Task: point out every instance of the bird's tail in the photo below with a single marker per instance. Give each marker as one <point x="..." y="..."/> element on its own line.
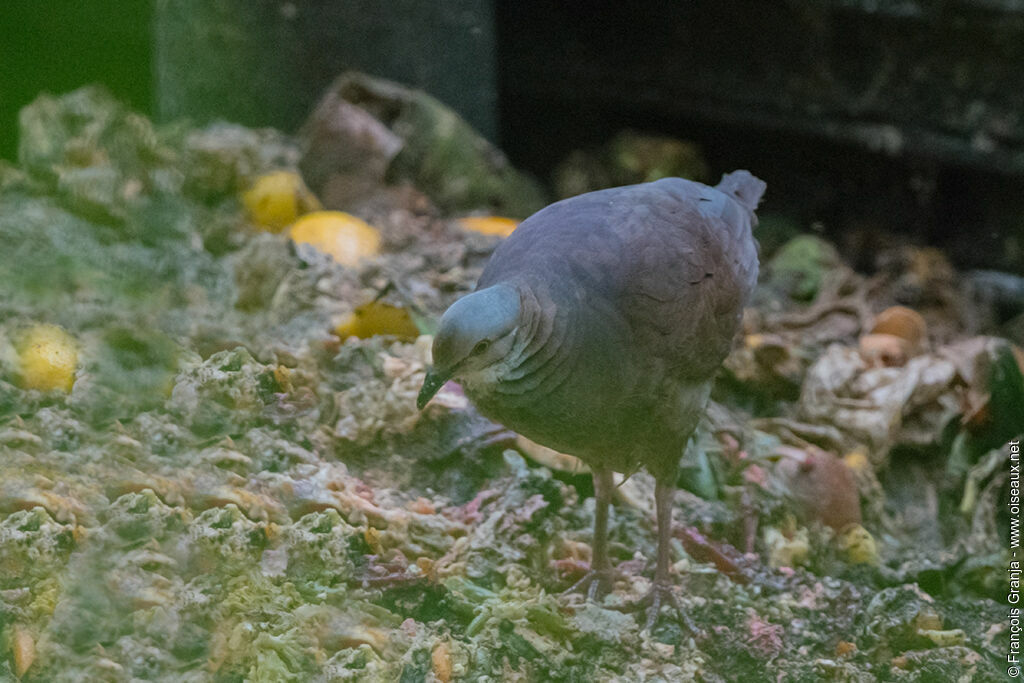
<point x="742" y="185"/>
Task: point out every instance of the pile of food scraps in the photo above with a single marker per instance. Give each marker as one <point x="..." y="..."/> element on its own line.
<point x="212" y="466"/>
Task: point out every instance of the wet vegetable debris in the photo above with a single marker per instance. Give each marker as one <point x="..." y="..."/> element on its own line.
<point x="212" y="466"/>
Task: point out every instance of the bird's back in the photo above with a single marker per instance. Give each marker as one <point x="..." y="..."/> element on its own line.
<point x="646" y="285"/>
<point x="675" y="259"/>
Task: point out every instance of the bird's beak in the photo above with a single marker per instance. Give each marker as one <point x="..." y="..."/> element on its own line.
<point x="431" y="385"/>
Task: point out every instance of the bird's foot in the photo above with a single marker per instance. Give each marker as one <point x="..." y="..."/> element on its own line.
<point x="595" y="584"/>
<point x="661" y="594"/>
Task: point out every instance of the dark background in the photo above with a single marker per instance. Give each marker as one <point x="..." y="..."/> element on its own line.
<point x="58" y="45"/>
<point x="868" y="117"/>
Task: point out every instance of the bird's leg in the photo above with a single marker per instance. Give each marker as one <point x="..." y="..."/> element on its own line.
<point x="661" y="591"/>
<point x="603" y="487"/>
<point x="664" y="495"/>
<point x="598" y="580"/>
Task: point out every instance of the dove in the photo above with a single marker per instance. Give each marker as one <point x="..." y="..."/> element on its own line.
<point x="597" y="327"/>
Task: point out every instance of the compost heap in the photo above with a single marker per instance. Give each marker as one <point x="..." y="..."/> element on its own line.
<point x="212" y="466"/>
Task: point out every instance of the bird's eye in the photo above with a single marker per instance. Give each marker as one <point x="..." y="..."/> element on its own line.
<point x="480" y="347"/>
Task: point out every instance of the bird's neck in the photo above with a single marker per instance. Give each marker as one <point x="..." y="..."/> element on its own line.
<point x="542" y="349"/>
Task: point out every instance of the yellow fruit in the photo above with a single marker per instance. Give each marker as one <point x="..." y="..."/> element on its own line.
<point x="898" y="334"/>
<point x="277" y="199"/>
<point x="902" y="322"/>
<point x="489" y="225"/>
<point x="47" y="358"/>
<point x="343" y="237"/>
<point x="376" y="318"/>
<point x="858" y="545"/>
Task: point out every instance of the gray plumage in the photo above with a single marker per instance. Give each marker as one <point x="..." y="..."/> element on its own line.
<point x="597" y="326"/>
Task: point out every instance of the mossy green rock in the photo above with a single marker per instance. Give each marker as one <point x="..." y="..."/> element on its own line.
<point x="800" y="266"/>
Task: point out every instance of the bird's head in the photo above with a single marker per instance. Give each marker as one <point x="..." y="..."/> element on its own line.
<point x="475" y="336"/>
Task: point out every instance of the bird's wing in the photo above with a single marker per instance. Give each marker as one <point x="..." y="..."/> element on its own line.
<point x="675" y="260"/>
<point x="689" y="266"/>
